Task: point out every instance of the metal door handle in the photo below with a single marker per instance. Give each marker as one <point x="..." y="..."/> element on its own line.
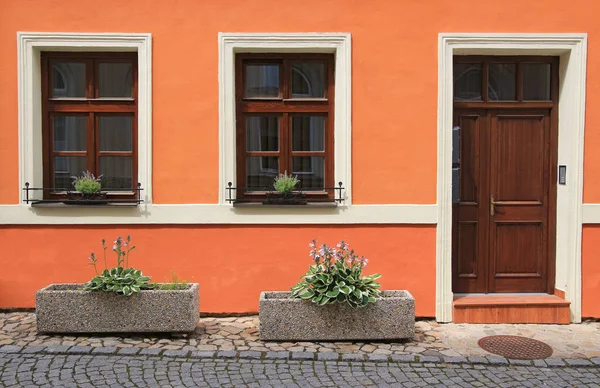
<point x="492" y="206"/>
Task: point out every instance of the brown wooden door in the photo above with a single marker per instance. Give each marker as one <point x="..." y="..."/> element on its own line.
<point x="504" y="218"/>
<point x="519" y="200"/>
<point x="470" y="217"/>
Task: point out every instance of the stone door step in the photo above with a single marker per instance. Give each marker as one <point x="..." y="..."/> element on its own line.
<point x="511" y="309"/>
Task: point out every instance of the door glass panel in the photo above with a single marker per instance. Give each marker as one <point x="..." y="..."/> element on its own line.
<point x="502" y="84"/>
<point x="310" y="171"/>
<point x="308" y="79"/>
<point x="262" y="81"/>
<point x="261" y="172"/>
<point x="262" y="133"/>
<point x="116" y="172"/>
<point x="467" y="81"/>
<point x="456" y="164"/>
<point x="115" y="79"/>
<point x="70" y="133"/>
<point x="65" y="167"/>
<point x="308" y="133"/>
<point x="536" y="81"/>
<point x="68" y="79"/>
<point x="115" y="133"/>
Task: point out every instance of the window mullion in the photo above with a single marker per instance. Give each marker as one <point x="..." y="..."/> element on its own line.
<point x="485" y="81"/>
<point x="519" y="80"/>
<point x="91" y="143"/>
<point x="90" y="78"/>
<point x="285" y="79"/>
<point x="284" y="144"/>
<point x="91" y="121"/>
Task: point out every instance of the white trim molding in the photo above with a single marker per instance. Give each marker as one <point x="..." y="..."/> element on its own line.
<point x="591" y="213"/>
<point x="30" y="45"/>
<point x="337" y="43"/>
<point x="218" y="214"/>
<point x="572" y="49"/>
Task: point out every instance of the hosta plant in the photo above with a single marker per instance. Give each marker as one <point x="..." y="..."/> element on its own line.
<point x="122" y="279"/>
<point x="336" y="277"/>
<point x="87" y="183"/>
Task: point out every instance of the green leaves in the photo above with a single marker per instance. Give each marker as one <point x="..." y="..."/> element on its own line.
<point x="338" y="283"/>
<point x="333" y="293"/>
<point x="285" y="183"/>
<point x="123" y="281"/>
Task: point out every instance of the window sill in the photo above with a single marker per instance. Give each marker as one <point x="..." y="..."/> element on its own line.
<point x="61" y="205"/>
<point x="307" y="205"/>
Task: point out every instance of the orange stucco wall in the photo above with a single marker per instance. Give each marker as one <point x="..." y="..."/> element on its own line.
<point x="590" y="271"/>
<point x="394" y="114"/>
<point x="394" y="78"/>
<point x="232" y="264"/>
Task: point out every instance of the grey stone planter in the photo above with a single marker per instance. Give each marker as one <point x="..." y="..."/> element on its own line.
<point x="67" y="308"/>
<point x="392" y="316"/>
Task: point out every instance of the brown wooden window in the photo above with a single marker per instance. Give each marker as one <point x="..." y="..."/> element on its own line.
<point x="89" y="103"/>
<point x="284" y="122"/>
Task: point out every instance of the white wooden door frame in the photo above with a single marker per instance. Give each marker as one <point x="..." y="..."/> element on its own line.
<point x="572" y="49"/>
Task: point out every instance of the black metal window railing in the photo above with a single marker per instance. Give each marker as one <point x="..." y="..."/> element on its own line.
<point x="108" y="196"/>
<point x="270" y="196"/>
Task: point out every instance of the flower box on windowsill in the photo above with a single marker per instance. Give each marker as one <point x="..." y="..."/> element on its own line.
<point x="78" y="198"/>
<point x="62" y="205"/>
<point x="309" y="204"/>
<point x="265" y="197"/>
<point x="287" y="199"/>
<point x="62" y="198"/>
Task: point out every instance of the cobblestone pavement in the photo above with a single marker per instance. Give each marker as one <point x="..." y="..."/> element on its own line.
<point x="77" y="370"/>
<point x="240" y="334"/>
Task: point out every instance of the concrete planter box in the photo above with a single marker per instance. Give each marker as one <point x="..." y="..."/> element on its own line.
<point x="392" y="316"/>
<point x="67" y="308"/>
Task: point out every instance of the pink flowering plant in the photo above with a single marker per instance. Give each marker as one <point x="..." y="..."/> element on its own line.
<point x="122" y="279"/>
<point x="336" y="277"/>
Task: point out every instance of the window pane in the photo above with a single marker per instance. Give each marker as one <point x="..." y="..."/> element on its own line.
<point x="503" y="82"/>
<point x="262" y="133"/>
<point x="455" y="164"/>
<point x="261" y="172"/>
<point x="467" y="81"/>
<point x="115" y="79"/>
<point x="65" y="167"/>
<point x="70" y="133"/>
<point x="115" y="133"/>
<point x="116" y="172"/>
<point x="308" y="79"/>
<point x="536" y="81"/>
<point x="262" y="81"/>
<point x="308" y="133"/>
<point x="68" y="79"/>
<point x="310" y="171"/>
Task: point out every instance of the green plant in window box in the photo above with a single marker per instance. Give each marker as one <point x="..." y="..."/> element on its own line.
<point x="87" y="183"/>
<point x="336" y="277"/>
<point x="88" y="189"/>
<point x="284" y="183"/>
<point x="122" y="279"/>
<point x="284" y="193"/>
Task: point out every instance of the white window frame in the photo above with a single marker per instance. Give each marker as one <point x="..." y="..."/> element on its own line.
<point x="338" y="44"/>
<point x="30" y="45"/>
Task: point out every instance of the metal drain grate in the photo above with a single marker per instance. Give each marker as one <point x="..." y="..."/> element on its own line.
<point x="515" y="347"/>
